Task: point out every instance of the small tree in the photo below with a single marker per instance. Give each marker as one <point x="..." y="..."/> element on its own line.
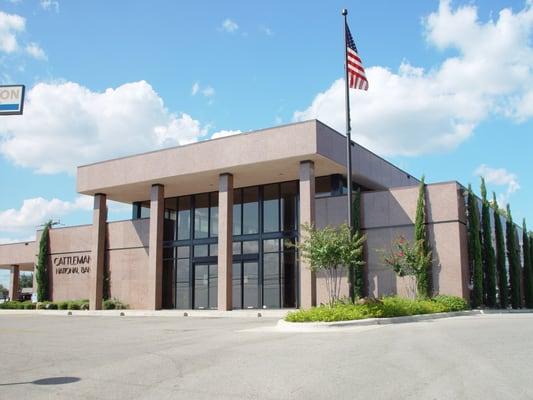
<point x="488" y="251"/>
<point x="514" y="260"/>
<point x="41" y="270"/>
<point x="503" y="282"/>
<point x="421" y="243"/>
<point x="330" y="251"/>
<point x="356" y="273"/>
<point x="406" y="259"/>
<point x="26" y="280"/>
<point x="4" y="292"/>
<point x="528" y="272"/>
<point x="474" y="246"/>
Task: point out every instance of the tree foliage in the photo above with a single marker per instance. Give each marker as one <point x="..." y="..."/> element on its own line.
<point x="489" y="262"/>
<point x="528" y="267"/>
<point x="356" y="273"/>
<point x="26" y="281"/>
<point x="406" y="259"/>
<point x="41" y="269"/>
<point x="422" y="246"/>
<point x="4" y="292"/>
<point x="514" y="260"/>
<point x="503" y="282"/>
<point x="474" y="246"/>
<point x="330" y="251"/>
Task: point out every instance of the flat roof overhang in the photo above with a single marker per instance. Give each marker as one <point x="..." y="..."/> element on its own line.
<point x="259" y="157"/>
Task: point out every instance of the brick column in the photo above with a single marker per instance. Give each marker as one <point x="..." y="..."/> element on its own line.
<point x="225" y="242"/>
<point x="307" y="215"/>
<point x="98" y="252"/>
<point x="155" y="250"/>
<point x="14" y="283"/>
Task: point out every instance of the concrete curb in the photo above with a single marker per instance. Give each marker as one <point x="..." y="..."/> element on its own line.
<point x="159" y="313"/>
<point x="284" y="326"/>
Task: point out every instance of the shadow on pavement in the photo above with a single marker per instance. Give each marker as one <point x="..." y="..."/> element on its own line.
<point x="57" y="380"/>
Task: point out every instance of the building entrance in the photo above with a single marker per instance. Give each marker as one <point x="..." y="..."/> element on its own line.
<point x="205" y="286"/>
<point x="246" y="289"/>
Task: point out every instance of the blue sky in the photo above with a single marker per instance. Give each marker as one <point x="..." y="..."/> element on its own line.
<point x="449" y="90"/>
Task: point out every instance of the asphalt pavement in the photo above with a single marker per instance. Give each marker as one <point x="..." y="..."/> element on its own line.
<point x="95" y="357"/>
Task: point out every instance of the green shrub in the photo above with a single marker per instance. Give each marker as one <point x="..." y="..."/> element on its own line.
<point x="51" y="306"/>
<point x="452" y="303"/>
<point x="114" y="304"/>
<point x="28" y="305"/>
<point x="63" y="305"/>
<point x="386" y="307"/>
<point x="74" y="305"/>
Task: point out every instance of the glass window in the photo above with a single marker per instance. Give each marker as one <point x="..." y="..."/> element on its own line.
<point x="323" y="186"/>
<point x="237" y="247"/>
<point x="288" y="279"/>
<point x="183" y="251"/>
<point x="213" y="214"/>
<point x="213" y="249"/>
<point x="271" y="208"/>
<point x="270" y="245"/>
<point x="183" y="284"/>
<point x="184" y="217"/>
<point x="250" y="210"/>
<point x="201" y="250"/>
<point x="271" y="280"/>
<point x="145" y="209"/>
<point x="237" y="285"/>
<point x="250" y="247"/>
<point x="201" y="216"/>
<point x="237" y="212"/>
<point x="289" y="206"/>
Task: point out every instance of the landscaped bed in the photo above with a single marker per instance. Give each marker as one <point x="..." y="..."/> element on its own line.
<point x="385" y="307"/>
<point x="109" y="304"/>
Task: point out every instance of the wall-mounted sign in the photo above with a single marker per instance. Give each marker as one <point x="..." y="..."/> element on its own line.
<point x="11" y="99"/>
<point x="72" y="264"/>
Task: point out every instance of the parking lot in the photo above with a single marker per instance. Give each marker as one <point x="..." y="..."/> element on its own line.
<point x="94" y="357"/>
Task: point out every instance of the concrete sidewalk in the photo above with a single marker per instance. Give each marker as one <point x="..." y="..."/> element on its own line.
<point x="255" y="313"/>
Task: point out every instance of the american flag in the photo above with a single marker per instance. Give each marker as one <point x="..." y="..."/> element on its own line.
<point x="356" y="72"/>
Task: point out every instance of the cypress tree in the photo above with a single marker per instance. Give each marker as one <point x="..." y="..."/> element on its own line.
<point x="489" y="265"/>
<point x="357" y="276"/>
<point x="503" y="283"/>
<point x="41" y="270"/>
<point x="528" y="267"/>
<point x="476" y="257"/>
<point x="514" y="260"/>
<point x="424" y="280"/>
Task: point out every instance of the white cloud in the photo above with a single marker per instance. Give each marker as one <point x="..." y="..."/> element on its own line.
<point x="36" y="211"/>
<point x="266" y="30"/>
<point x="50" y="5"/>
<point x="499" y="177"/>
<point x="413" y="111"/>
<point x="229" y="26"/>
<point x="10" y="26"/>
<point x="195" y="88"/>
<point x="208" y="91"/>
<point x="223" y="133"/>
<point x="35" y="51"/>
<point x="66" y="124"/>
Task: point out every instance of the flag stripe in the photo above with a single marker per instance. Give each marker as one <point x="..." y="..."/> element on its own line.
<point x="354" y="64"/>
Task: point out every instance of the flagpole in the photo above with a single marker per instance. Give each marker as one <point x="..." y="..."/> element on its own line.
<point x="348" y="147"/>
<point x="348" y="125"/>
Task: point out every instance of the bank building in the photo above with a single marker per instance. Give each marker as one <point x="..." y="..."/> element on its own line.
<point x="211" y="222"/>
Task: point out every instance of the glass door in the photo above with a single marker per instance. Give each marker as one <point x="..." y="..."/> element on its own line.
<point x="205" y="286"/>
<point x="246" y="284"/>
